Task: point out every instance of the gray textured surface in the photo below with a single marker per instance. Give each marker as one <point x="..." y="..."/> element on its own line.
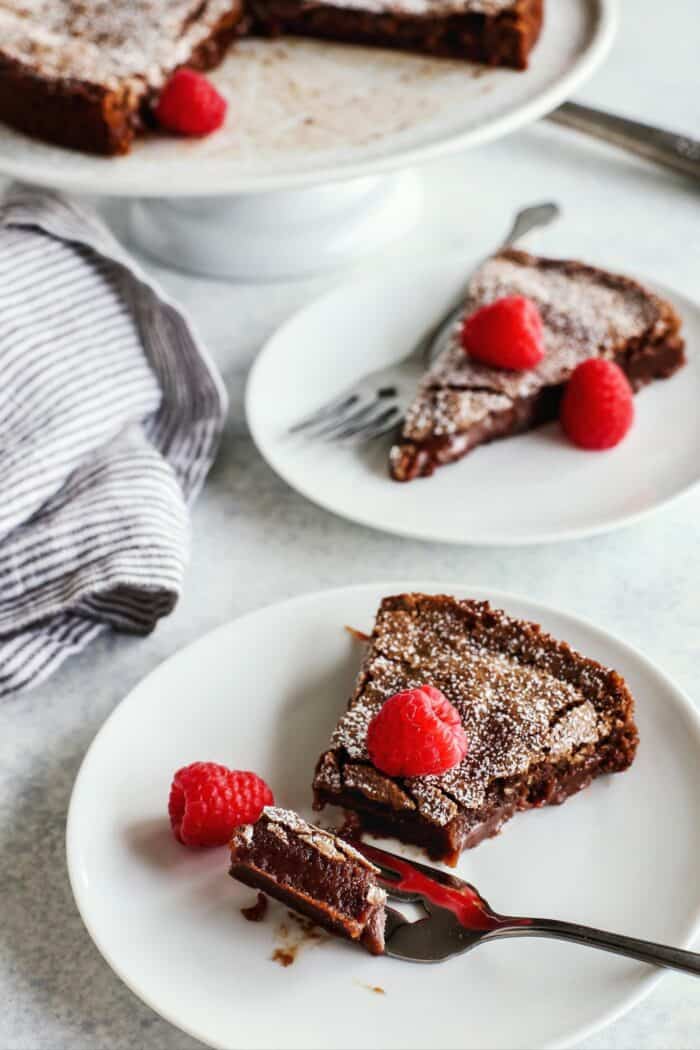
<point x="256" y="541"/>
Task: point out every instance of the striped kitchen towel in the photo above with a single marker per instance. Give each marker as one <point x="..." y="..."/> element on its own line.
<point x="110" y="416"/>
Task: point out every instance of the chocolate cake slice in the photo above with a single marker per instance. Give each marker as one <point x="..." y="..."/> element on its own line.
<point x="586" y="312"/>
<point x="81" y="73"/>
<point x="494" y="32"/>
<point x="541" y="720"/>
<point x="314" y="872"/>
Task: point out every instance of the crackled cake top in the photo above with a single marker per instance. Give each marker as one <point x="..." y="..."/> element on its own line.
<point x="104" y="42"/>
<point x="506" y="680"/>
<point x="585" y="312"/>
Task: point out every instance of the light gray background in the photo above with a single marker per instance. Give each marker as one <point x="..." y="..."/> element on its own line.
<point x="255" y="541"/>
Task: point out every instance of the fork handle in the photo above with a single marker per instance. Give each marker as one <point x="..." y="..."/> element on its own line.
<point x="644" y="951"/>
<point x="668" y="148"/>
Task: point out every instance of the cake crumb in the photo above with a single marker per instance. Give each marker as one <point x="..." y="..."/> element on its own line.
<point x="375" y="988"/>
<point x="291" y="942"/>
<point x="256" y="912"/>
<point x="284" y="956"/>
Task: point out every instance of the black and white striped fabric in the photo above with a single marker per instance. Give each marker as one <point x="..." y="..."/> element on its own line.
<point x="110" y="417"/>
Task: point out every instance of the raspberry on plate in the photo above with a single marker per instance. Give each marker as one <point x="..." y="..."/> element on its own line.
<point x="208" y="801"/>
<point x="189" y="104"/>
<point x="507" y="333"/>
<point x="597" y="409"/>
<point x="415" y="733"/>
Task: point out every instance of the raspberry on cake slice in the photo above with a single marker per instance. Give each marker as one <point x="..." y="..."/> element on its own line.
<point x="474" y="394"/>
<point x="416" y="732"/>
<point x="313" y="872"/>
<point x="540" y="723"/>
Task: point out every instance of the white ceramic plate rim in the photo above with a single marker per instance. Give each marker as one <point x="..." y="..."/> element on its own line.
<point x="197" y="180"/>
<point x="267" y="449"/>
<point x="646" y="982"/>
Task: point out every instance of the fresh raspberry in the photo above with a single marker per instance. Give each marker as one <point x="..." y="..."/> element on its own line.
<point x="507" y="333"/>
<point x="415" y="733"/>
<point x="597" y="409"/>
<point x="207" y="801"/>
<point x="190" y="104"/>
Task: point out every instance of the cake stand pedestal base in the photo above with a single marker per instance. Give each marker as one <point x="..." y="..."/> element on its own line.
<point x="270" y="236"/>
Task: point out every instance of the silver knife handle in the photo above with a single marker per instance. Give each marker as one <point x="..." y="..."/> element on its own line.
<point x="671" y="150"/>
<point x="643" y="951"/>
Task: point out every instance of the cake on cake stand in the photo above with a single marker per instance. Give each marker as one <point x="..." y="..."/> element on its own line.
<point x="316" y="165"/>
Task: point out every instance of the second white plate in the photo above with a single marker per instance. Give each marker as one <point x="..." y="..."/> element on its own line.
<point x="264" y="692"/>
<point x="535" y="488"/>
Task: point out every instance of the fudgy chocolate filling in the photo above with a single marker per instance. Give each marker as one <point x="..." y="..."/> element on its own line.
<point x="315" y="872"/>
<point x="342" y="885"/>
<point x="501" y="39"/>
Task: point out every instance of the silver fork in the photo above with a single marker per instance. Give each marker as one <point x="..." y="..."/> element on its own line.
<point x="458" y="919"/>
<point x="377" y="402"/>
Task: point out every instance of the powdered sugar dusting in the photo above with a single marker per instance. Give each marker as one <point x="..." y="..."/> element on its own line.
<point x="351" y="733"/>
<point x="584" y="314"/>
<point x="579" y="726"/>
<point x="432" y="802"/>
<point x="329" y="773"/>
<point x="441" y="412"/>
<point x="245" y="834"/>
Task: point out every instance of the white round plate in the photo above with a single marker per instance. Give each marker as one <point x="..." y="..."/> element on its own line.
<point x="304" y="111"/>
<point x="264" y="693"/>
<point x="534" y="488"/>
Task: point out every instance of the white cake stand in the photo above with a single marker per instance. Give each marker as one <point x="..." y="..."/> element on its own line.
<point x="313" y="168"/>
